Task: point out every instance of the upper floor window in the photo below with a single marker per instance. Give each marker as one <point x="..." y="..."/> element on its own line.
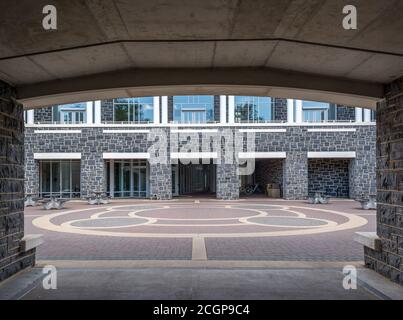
<point x="139" y="110"/>
<point x="70" y="113"/>
<point x="373" y="116"/>
<point x="313" y="111"/>
<point x="253" y="109"/>
<point x="193" y="109"/>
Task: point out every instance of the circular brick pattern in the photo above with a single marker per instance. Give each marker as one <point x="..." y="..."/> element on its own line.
<point x="188" y="220"/>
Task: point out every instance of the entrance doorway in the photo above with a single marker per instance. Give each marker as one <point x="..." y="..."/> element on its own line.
<point x="127" y="178"/>
<point x="193" y="179"/>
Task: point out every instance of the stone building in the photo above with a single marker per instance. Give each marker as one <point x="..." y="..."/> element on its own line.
<point x="164" y="146"/>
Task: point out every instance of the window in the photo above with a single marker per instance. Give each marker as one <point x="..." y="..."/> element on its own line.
<point x="127" y="178"/>
<point x="138" y="110"/>
<point x="70" y="113"/>
<point x="313" y="111"/>
<point x="60" y="178"/>
<point x="193" y="109"/>
<point x="253" y="109"/>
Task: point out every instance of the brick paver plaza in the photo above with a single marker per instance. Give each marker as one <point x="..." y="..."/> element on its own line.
<point x="254" y="229"/>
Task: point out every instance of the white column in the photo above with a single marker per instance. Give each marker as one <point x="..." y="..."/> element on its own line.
<point x="290" y="110"/>
<point x="298" y="111"/>
<point x="97" y="112"/>
<point x="358" y="114"/>
<point x="231" y="109"/>
<point x="112" y="177"/>
<point x="89" y="112"/>
<point x="156" y="109"/>
<point x="223" y="109"/>
<point x="30" y="117"/>
<point x="367" y="115"/>
<point x="164" y="109"/>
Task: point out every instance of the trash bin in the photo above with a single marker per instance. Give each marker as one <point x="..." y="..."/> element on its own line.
<point x="273" y="190"/>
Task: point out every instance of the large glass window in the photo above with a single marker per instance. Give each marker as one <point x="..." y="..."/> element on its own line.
<point x="253" y="109"/>
<point x="60" y="178"/>
<point x="193" y="109"/>
<point x="313" y="111"/>
<point x="70" y="113"/>
<point x="138" y="110"/>
<point x="129" y="178"/>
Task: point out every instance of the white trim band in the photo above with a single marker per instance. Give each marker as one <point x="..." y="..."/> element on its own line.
<point x="194" y="155"/>
<point x="194" y="130"/>
<point x="57" y="156"/>
<point x="332" y="154"/>
<point x="262" y="155"/>
<point x="57" y="131"/>
<point x="263" y="130"/>
<point x="333" y="130"/>
<point x="124" y="131"/>
<point x="126" y="155"/>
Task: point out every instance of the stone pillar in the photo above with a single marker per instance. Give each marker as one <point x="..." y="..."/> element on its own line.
<point x="160" y="168"/>
<point x="295" y="175"/>
<point x="92" y="166"/>
<point x="358" y="114"/>
<point x="227" y="174"/>
<point x="12" y="256"/>
<point x="164" y="110"/>
<point x="389" y="258"/>
<point x="231" y="109"/>
<point x="97" y="111"/>
<point x="362" y="173"/>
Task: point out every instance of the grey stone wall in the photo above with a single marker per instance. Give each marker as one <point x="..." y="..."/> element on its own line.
<point x="12" y="257"/>
<point x="280" y="109"/>
<point x="362" y="169"/>
<point x="295" y="175"/>
<point x="345" y="113"/>
<point x="107" y="110"/>
<point x="217" y="108"/>
<point x="388" y="261"/>
<point x="92" y="142"/>
<point x="43" y="115"/>
<point x="329" y="175"/>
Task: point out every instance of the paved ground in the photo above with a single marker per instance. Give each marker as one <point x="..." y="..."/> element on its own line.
<point x="200" y="229"/>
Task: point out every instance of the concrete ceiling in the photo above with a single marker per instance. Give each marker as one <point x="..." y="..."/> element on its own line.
<point x="98" y="38"/>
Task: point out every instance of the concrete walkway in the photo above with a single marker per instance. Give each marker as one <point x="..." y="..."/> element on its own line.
<point x="197" y="280"/>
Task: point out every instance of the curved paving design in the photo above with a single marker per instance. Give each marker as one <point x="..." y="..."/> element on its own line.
<point x="201" y="220"/>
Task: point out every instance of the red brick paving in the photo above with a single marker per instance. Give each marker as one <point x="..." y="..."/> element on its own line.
<point x="328" y="246"/>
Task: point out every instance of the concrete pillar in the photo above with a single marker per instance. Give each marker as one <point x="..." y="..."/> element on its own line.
<point x="30" y="117"/>
<point x="367" y="115"/>
<point x="90" y="116"/>
<point x="290" y="110"/>
<point x="231" y="109"/>
<point x="156" y="109"/>
<point x="298" y="111"/>
<point x="358" y="114"/>
<point x="388" y="259"/>
<point x="295" y="175"/>
<point x="97" y="112"/>
<point x="164" y="110"/>
<point x="13" y="258"/>
<point x="223" y="109"/>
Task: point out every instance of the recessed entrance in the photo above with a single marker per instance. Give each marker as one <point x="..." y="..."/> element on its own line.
<point x="190" y="179"/>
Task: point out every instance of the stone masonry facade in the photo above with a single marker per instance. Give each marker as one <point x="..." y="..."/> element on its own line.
<point x="295" y="174"/>
<point x="389" y="260"/>
<point x="12" y="256"/>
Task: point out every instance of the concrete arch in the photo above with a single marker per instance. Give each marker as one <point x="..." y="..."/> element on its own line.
<point x="184" y="81"/>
